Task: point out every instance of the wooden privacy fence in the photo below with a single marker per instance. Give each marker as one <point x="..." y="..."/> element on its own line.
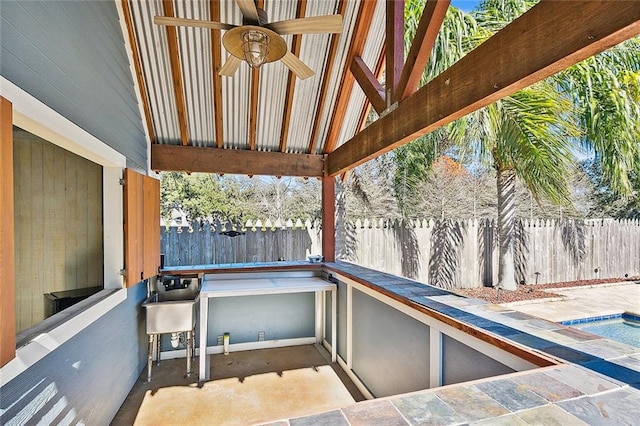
<point x="215" y="243"/>
<point x="448" y="253"/>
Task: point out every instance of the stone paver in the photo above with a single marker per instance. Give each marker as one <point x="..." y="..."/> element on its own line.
<point x="511" y="395"/>
<point x="426" y="409"/>
<point x="331" y="418"/>
<point x="376" y="412"/>
<point x="605" y="349"/>
<point x="508" y="420"/>
<point x="471" y="403"/>
<point x="581" y="379"/>
<point x="547" y="387"/>
<point x="619" y="407"/>
<point x="550" y="415"/>
<point x="585" y="302"/>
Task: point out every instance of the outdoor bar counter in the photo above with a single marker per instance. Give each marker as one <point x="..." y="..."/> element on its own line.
<point x="576" y="376"/>
<point x="412" y="294"/>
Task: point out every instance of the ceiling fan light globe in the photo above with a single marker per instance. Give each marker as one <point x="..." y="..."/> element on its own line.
<point x="255" y="47"/>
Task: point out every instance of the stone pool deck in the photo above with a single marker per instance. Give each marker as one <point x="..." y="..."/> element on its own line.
<point x="596" y="381"/>
<point x="584" y="302"/>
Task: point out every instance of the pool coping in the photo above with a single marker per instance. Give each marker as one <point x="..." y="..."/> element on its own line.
<point x="624" y="315"/>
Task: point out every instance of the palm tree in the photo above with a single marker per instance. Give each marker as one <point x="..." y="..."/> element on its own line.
<point x="531" y="136"/>
<point x="605" y="90"/>
<point x="526" y="136"/>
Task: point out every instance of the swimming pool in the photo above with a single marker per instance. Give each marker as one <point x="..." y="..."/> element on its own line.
<point x="624" y="328"/>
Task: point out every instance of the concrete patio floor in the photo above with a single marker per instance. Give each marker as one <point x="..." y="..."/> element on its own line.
<point x="584" y="302"/>
<point x="245" y="388"/>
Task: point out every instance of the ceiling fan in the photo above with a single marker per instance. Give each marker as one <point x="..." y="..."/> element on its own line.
<point x="258" y="41"/>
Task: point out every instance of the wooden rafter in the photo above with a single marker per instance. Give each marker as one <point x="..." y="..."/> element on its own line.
<point x="366" y="110"/>
<point x="176" y="73"/>
<point x="495" y="69"/>
<point x="234" y="161"/>
<point x="358" y="40"/>
<point x="253" y="105"/>
<point x="253" y="99"/>
<point x="421" y="46"/>
<point x="137" y="66"/>
<point x="394" y="47"/>
<point x="216" y="58"/>
<point x="333" y="48"/>
<point x="370" y="85"/>
<point x="291" y="80"/>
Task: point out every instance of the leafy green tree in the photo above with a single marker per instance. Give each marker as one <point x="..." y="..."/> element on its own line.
<point x="607" y="203"/>
<point x="238" y="198"/>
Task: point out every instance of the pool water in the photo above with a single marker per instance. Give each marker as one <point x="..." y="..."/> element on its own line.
<point x="621" y="329"/>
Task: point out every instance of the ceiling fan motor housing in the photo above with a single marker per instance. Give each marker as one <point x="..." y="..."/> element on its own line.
<point x="262" y="19"/>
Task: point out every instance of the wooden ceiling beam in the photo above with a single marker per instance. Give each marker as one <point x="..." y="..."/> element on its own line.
<point x="326" y="78"/>
<point x="137" y="66"/>
<point x="291" y="80"/>
<point x="176" y="73"/>
<point x="421" y="47"/>
<point x="548" y="38"/>
<point x="358" y="40"/>
<point x="394" y="47"/>
<point x="234" y="161"/>
<point x="216" y="64"/>
<point x="369" y="84"/>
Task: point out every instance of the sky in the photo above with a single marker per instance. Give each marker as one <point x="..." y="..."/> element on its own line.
<point x="465" y="5"/>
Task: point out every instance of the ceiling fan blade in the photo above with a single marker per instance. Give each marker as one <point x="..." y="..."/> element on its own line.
<point x="296" y="66"/>
<point x="248" y="8"/>
<point x="312" y="25"/>
<point x="231" y="66"/>
<point x="169" y="21"/>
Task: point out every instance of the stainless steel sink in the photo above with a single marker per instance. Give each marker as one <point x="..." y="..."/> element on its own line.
<point x="170" y="316"/>
<point x="171" y="308"/>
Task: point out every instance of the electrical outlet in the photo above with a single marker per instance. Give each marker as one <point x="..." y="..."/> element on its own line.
<point x="220" y="341"/>
<point x="260" y="336"/>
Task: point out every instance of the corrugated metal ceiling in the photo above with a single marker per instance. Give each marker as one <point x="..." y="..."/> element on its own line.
<point x="195" y="54"/>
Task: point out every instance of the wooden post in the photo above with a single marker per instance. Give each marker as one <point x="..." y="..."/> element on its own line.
<point x="7" y="236"/>
<point x="394" y="48"/>
<point x="328" y="218"/>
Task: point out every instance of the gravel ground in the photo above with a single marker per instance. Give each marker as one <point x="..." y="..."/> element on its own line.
<point x="531" y="292"/>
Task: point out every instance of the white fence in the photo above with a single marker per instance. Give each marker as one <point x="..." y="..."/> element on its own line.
<point x="448" y="253"/>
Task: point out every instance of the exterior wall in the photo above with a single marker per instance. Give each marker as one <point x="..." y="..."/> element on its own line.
<point x="64" y="67"/>
<point x="58" y="224"/>
<point x="87" y="378"/>
<point x="390" y="349"/>
<point x="461" y="363"/>
<point x="71" y="56"/>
